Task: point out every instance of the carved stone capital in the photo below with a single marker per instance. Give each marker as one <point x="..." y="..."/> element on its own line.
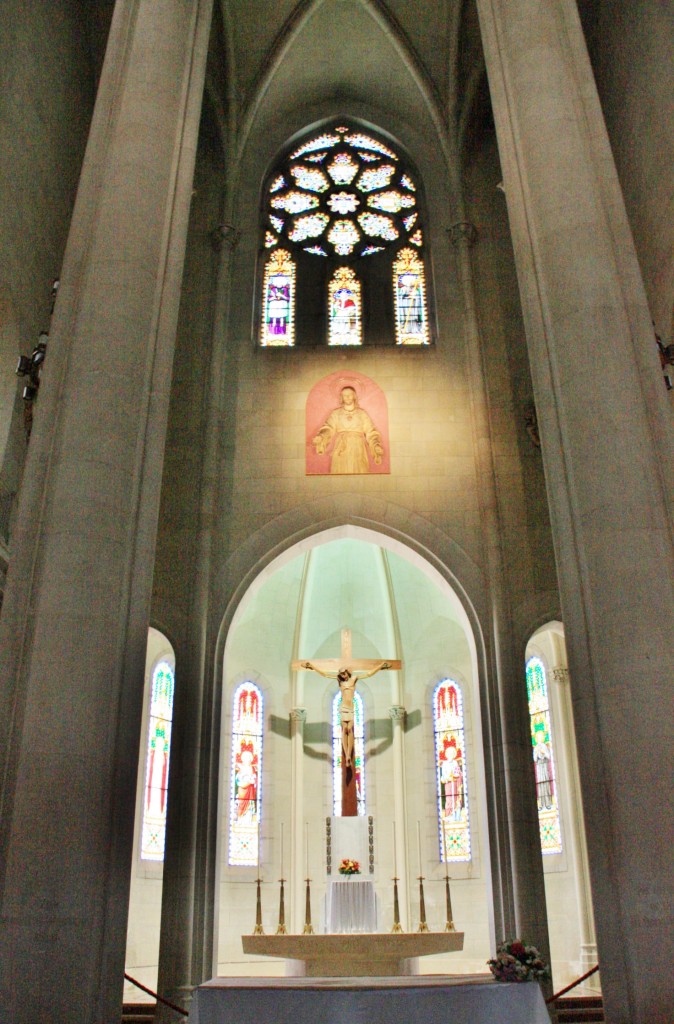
<point x="298" y="715"/>
<point x="463" y="231"/>
<point x="561" y="675"/>
<point x="225" y="236"/>
<point x="397" y="713"/>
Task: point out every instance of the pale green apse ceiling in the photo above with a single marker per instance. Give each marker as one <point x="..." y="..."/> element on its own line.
<point x="392" y="607"/>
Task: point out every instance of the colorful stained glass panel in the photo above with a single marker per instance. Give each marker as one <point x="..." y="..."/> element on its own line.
<point x="308" y="227"/>
<point x="343" y="169"/>
<point x="310" y="178"/>
<point x="544" y="765"/>
<point x="153" y="831"/>
<point x="390" y="202"/>
<point x="294" y="202"/>
<point x="343" y="234"/>
<point x="343" y="202"/>
<point x="344" y="297"/>
<point x="409" y="290"/>
<point x="246" y="777"/>
<point x="451" y="773"/>
<point x="378" y="225"/>
<point x="360" y="141"/>
<point x="375" y="177"/>
<point x="278" y="316"/>
<point x="320" y="142"/>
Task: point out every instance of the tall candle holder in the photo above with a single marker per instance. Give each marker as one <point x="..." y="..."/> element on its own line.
<point x="423" y="927"/>
<point x="449" y="926"/>
<point x="308" y="927"/>
<point x="258" y="929"/>
<point x="281" y="930"/>
<point x="397" y="927"/>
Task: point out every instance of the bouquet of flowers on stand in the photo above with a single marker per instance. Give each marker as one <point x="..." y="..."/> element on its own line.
<point x="349" y="867"/>
<point x="516" y="962"/>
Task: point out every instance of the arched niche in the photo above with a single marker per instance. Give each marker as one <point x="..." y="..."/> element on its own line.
<point x="397" y="605"/>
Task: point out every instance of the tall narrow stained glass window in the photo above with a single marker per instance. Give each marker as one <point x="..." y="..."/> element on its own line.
<point x="278" y="318"/>
<point x="451" y="774"/>
<point x="358" y="753"/>
<point x="345" y="305"/>
<point x="153" y="832"/>
<point x="544" y="765"/>
<point x="409" y="288"/>
<point x="246" y="784"/>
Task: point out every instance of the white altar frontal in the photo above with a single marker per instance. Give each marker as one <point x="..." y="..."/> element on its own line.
<point x="427" y="1000"/>
<point x="350" y="901"/>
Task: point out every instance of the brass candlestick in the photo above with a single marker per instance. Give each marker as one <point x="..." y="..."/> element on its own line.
<point x="308" y="928"/>
<point x="258" y="929"/>
<point x="397" y="927"/>
<point x="423" y="927"/>
<point x="281" y="930"/>
<point x="449" y="926"/>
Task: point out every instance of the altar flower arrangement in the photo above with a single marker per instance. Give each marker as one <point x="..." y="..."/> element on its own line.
<point x="349" y="867"/>
<point x="516" y="962"/>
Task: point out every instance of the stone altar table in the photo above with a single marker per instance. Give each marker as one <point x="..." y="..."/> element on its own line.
<point x="380" y="955"/>
<point x="428" y="1000"/>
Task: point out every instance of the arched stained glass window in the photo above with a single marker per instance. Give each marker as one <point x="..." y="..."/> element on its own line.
<point x="358" y="753"/>
<point x="544" y="765"/>
<point x="347" y="197"/>
<point x="451" y="774"/>
<point x="409" y="288"/>
<point x="246" y="786"/>
<point x="278" y="317"/>
<point x="345" y="305"/>
<point x="153" y="832"/>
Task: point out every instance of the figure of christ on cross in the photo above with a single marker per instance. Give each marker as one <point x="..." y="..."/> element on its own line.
<point x="347" y="671"/>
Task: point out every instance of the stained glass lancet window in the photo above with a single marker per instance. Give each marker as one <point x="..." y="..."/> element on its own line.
<point x="153" y="832"/>
<point x="409" y="288"/>
<point x="278" y="317"/>
<point x="451" y="774"/>
<point x="358" y="753"/>
<point x="544" y="765"/>
<point x="246" y="784"/>
<point x="345" y="306"/>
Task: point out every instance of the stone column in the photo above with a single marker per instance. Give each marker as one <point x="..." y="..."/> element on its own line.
<point x="298" y="717"/>
<point x="607" y="451"/>
<point x="397" y="715"/>
<point x="74" y="625"/>
<point x="518" y="885"/>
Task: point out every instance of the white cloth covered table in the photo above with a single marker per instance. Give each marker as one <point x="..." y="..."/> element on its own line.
<point x="350" y="906"/>
<point x="430" y="1000"/>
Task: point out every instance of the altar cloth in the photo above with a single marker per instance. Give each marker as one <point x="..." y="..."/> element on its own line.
<point x="421" y="1000"/>
<point x="350" y="906"/>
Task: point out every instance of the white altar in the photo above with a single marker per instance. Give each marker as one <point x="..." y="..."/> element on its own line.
<point x="350" y="906"/>
<point x="425" y="1000"/>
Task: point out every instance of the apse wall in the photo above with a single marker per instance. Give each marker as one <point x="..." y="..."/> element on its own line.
<point x="394" y="610"/>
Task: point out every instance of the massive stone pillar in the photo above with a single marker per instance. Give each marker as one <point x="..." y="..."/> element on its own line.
<point x="74" y="624"/>
<point x="608" y="471"/>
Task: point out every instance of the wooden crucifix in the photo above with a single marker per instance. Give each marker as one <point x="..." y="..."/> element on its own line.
<point x="347" y="670"/>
